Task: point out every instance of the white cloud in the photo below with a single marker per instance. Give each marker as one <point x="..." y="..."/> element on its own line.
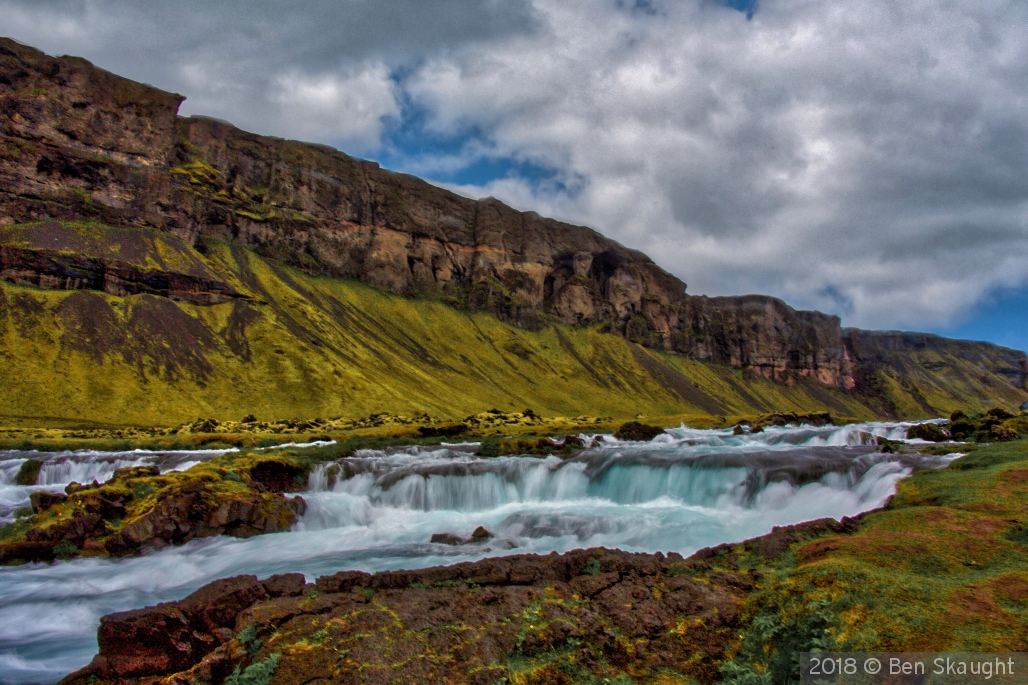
<point x="862" y="157"/>
<point x="849" y="155"/>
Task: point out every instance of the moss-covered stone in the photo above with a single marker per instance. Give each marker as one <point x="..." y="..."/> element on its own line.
<point x="139" y="508"/>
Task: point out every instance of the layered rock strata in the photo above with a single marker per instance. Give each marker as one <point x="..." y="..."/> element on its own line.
<point x="81" y="143"/>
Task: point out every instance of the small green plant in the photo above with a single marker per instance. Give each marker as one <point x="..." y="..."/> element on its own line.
<point x="142" y="490"/>
<point x="1018" y="534"/>
<point x="257" y="673"/>
<point x="233" y="476"/>
<point x="592" y="567"/>
<point x="65" y="550"/>
<point x="248" y="638"/>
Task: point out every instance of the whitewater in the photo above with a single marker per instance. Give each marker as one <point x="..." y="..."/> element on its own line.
<point x="377" y="510"/>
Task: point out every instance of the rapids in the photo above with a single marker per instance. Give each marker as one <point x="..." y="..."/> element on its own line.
<point x="378" y="510"/>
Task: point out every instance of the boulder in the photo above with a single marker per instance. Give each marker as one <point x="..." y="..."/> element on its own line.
<point x="927" y="431"/>
<point x="633" y="430"/>
<point x="42" y="500"/>
<point x="28" y="474"/>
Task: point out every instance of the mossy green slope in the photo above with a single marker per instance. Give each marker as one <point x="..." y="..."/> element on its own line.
<point x="297" y="345"/>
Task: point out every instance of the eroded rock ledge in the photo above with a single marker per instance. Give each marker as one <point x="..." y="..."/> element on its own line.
<point x="596" y="612"/>
<point x="139" y="508"/>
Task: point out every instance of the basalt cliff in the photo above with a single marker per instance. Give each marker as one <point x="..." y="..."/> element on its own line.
<point x="181" y="248"/>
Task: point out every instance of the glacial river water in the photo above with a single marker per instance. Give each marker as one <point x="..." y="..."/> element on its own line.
<point x="377" y="510"/>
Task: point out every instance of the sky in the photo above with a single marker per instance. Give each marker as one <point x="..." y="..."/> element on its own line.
<point x="864" y="158"/>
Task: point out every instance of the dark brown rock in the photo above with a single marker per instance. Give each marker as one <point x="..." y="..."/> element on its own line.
<point x="284" y="585"/>
<point x="427" y="626"/>
<point x="42" y="500"/>
<point x="633" y="430"/>
<point x="447" y="539"/>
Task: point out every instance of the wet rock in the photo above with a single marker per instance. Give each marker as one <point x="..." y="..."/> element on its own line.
<point x="928" y="431"/>
<point x="28" y="473"/>
<point x="26" y="551"/>
<point x="42" y="500"/>
<point x="126" y="472"/>
<point x="172" y="637"/>
<point x="633" y="430"/>
<point x="138" y="509"/>
<point x="480" y="534"/>
<point x="477" y="614"/>
<point x="573" y="441"/>
<point x="273" y="475"/>
<point x="447" y="539"/>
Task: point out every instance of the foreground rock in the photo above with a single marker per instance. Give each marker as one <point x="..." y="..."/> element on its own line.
<point x="139" y="509"/>
<point x="588" y="614"/>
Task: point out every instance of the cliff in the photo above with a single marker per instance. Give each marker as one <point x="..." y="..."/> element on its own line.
<point x="104" y="188"/>
<point x="80" y="143"/>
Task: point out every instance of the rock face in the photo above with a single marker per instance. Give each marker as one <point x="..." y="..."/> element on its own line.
<point x="81" y="143"/>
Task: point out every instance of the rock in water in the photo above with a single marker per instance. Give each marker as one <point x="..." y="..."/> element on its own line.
<point x="43" y="500"/>
<point x="28" y="474"/>
<point x="928" y="431"/>
<point x="633" y="430"/>
<point x="481" y="535"/>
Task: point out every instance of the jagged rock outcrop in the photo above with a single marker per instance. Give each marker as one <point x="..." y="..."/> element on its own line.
<point x="591" y="613"/>
<point x="139" y="509"/>
<point x="81" y="143"/>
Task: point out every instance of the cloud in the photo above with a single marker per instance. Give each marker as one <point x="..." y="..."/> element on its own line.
<point x="865" y="158"/>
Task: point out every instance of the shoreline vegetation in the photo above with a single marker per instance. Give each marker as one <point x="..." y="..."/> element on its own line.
<point x="383" y="429"/>
<point x="941" y="567"/>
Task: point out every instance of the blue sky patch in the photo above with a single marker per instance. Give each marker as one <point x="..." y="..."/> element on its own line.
<point x="748" y="7"/>
<point x="1002" y="319"/>
<point x="463" y="157"/>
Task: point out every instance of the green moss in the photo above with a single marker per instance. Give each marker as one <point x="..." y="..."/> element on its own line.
<point x="65" y="550"/>
<point x="28" y="473"/>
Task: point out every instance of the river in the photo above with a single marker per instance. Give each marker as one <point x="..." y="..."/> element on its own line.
<point x="378" y="510"/>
